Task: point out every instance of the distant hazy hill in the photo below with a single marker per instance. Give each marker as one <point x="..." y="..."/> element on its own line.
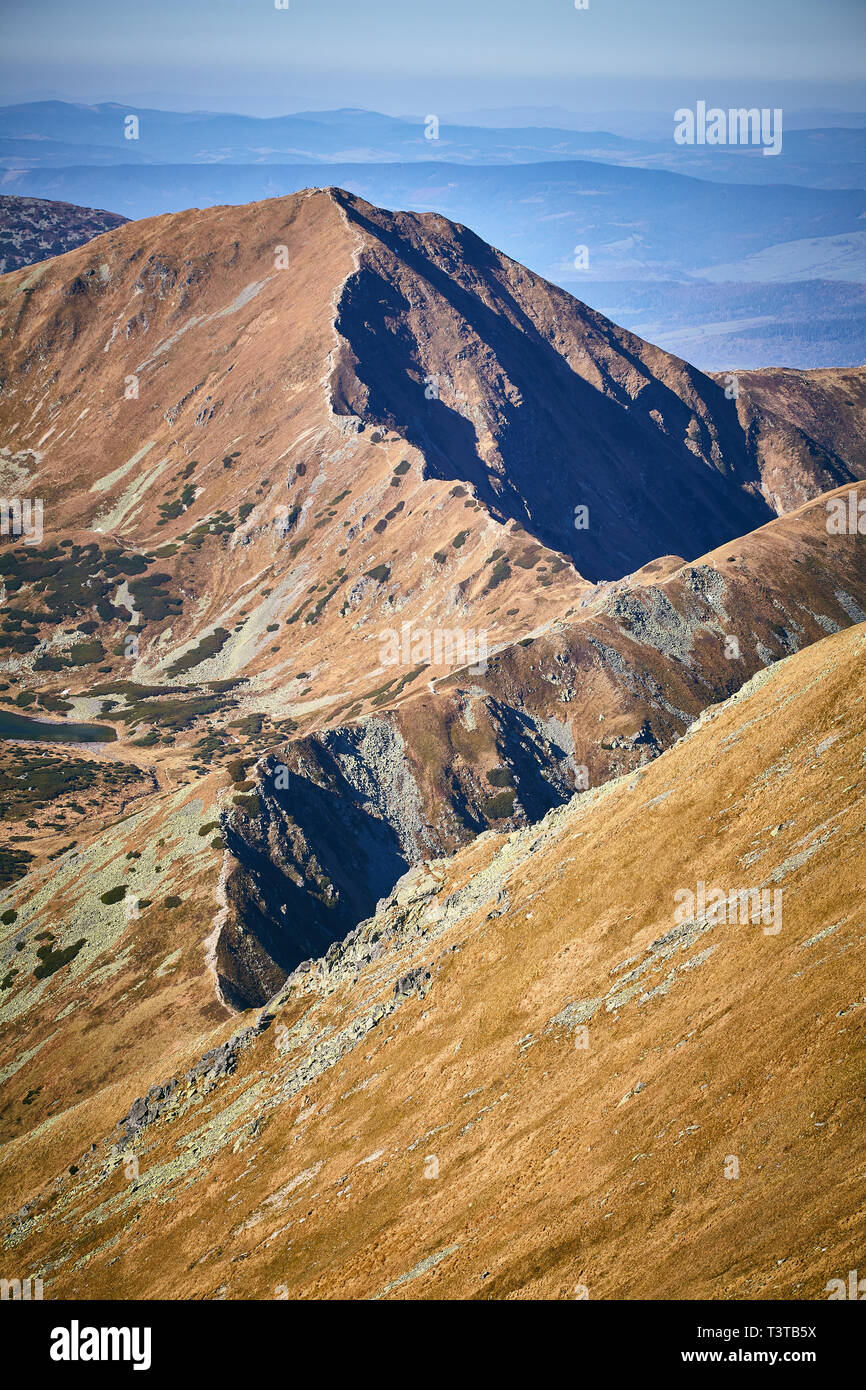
<point x="55" y="134"/>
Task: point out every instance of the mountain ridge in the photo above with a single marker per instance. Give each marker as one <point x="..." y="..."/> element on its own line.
<point x="319" y="905"/>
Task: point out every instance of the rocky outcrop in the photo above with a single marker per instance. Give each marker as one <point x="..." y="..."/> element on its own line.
<point x="166" y="1099"/>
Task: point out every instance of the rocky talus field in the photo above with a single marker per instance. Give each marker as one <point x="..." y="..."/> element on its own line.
<point x="395" y="656"/>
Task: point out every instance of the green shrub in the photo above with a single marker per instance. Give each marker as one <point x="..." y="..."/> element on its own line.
<point x="208" y="646"/>
<point x="85" y="653"/>
<point x="114" y="895"/>
<point x="501" y="571"/>
<point x="500" y="806"/>
<point x="13" y="864"/>
<point x="51" y="961"/>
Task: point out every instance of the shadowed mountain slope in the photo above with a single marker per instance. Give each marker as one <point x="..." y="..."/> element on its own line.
<point x="545" y="406"/>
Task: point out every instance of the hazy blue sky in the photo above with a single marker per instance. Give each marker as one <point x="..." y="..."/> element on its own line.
<point x="421" y="56"/>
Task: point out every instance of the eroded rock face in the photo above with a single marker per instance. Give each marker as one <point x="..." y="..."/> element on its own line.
<point x="337" y="824"/>
<point x="343" y="818"/>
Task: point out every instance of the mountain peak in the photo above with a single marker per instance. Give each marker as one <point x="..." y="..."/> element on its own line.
<point x="370" y="412"/>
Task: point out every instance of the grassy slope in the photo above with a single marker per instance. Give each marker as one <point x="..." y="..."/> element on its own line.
<point x="556" y="1167"/>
